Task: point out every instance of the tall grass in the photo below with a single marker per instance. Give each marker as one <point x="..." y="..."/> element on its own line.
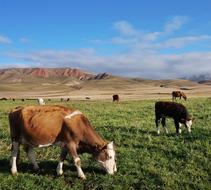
<point x="144" y="159"/>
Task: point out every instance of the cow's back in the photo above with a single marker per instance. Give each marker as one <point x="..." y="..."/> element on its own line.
<point x="170" y="109"/>
<point x="40" y="125"/>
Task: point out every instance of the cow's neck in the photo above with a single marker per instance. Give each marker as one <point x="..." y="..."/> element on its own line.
<point x="93" y="143"/>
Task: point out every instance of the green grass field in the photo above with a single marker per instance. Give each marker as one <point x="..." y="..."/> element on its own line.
<point x="144" y="159"/>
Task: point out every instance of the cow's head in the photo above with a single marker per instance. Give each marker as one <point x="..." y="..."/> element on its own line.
<point x="188" y="124"/>
<point x="106" y="158"/>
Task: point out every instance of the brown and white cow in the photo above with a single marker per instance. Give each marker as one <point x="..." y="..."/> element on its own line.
<point x="174" y="110"/>
<point x="178" y="94"/>
<point x="42" y="126"/>
<point x="115" y="97"/>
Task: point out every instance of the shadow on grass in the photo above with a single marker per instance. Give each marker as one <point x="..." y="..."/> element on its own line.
<point x="46" y="168"/>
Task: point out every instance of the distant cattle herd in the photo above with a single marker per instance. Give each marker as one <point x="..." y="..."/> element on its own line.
<point x="44" y="125"/>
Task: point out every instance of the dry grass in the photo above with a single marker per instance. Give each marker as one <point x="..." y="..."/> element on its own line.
<point x="128" y="89"/>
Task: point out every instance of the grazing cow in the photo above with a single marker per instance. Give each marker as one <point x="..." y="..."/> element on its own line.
<point x="22" y="99"/>
<point x="42" y="126"/>
<point x="41" y="101"/>
<point x="179" y="94"/>
<point x="13" y="99"/>
<point x="115" y="97"/>
<point x="3" y="99"/>
<point x="62" y="99"/>
<point x="174" y="110"/>
<point x="68" y="99"/>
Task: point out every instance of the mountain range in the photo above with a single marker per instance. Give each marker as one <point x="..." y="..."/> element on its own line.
<point x="26" y="75"/>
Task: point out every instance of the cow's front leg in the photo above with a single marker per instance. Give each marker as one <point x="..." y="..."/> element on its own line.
<point x="77" y="161"/>
<point x="177" y="125"/>
<point x="63" y="155"/>
<point x="14" y="154"/>
<point x="31" y="156"/>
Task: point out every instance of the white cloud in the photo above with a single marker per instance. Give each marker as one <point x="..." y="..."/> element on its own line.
<point x="175" y="24"/>
<point x="24" y="40"/>
<point x="5" y="40"/>
<point x="141" y="57"/>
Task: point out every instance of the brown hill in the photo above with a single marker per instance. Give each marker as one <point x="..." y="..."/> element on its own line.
<point x="32" y="74"/>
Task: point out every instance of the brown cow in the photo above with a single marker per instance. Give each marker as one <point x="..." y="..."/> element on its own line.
<point x="179" y="94"/>
<point x="174" y="110"/>
<point x="115" y="97"/>
<point x="42" y="126"/>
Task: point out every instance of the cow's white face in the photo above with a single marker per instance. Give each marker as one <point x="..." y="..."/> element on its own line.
<point x="107" y="159"/>
<point x="188" y="125"/>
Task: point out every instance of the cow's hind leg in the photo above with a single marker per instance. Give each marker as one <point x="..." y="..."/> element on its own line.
<point x="63" y="155"/>
<point x="14" y="155"/>
<point x="31" y="156"/>
<point x="77" y="161"/>
<point x="164" y="124"/>
<point x="157" y="122"/>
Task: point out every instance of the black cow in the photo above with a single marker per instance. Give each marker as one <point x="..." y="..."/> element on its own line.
<point x="115" y="97"/>
<point x="173" y="110"/>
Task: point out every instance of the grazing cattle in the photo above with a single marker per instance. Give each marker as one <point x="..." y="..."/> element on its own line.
<point x="174" y="110"/>
<point x="41" y="101"/>
<point x="68" y="99"/>
<point x="13" y="99"/>
<point x="42" y="126"/>
<point x="179" y="94"/>
<point x="115" y="97"/>
<point x="62" y="99"/>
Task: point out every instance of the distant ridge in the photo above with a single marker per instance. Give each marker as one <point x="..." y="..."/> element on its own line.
<point x="24" y="74"/>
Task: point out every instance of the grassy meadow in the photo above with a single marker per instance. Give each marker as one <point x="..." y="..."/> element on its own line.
<point x="144" y="159"/>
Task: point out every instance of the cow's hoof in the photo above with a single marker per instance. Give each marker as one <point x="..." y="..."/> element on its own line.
<point x="83" y="177"/>
<point x="14" y="173"/>
<point x="59" y="173"/>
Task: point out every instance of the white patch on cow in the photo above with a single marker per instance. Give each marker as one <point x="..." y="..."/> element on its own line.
<point x="180" y="130"/>
<point x="44" y="145"/>
<point x="158" y="131"/>
<point x="59" y="170"/>
<point x="110" y="164"/>
<point x="77" y="162"/>
<point x="189" y="123"/>
<point x="41" y="101"/>
<point x="73" y="114"/>
<point x="14" y="157"/>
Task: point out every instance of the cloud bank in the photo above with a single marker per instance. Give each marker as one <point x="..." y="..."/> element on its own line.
<point x="148" y="54"/>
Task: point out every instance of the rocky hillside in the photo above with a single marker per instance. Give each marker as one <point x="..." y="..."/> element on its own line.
<point x="16" y="75"/>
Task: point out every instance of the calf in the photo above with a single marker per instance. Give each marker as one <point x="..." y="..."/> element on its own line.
<point x="179" y="94"/>
<point x="42" y="126"/>
<point x="174" y="110"/>
<point x="115" y="97"/>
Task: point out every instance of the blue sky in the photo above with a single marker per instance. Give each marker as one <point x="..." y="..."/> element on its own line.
<point x="136" y="38"/>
